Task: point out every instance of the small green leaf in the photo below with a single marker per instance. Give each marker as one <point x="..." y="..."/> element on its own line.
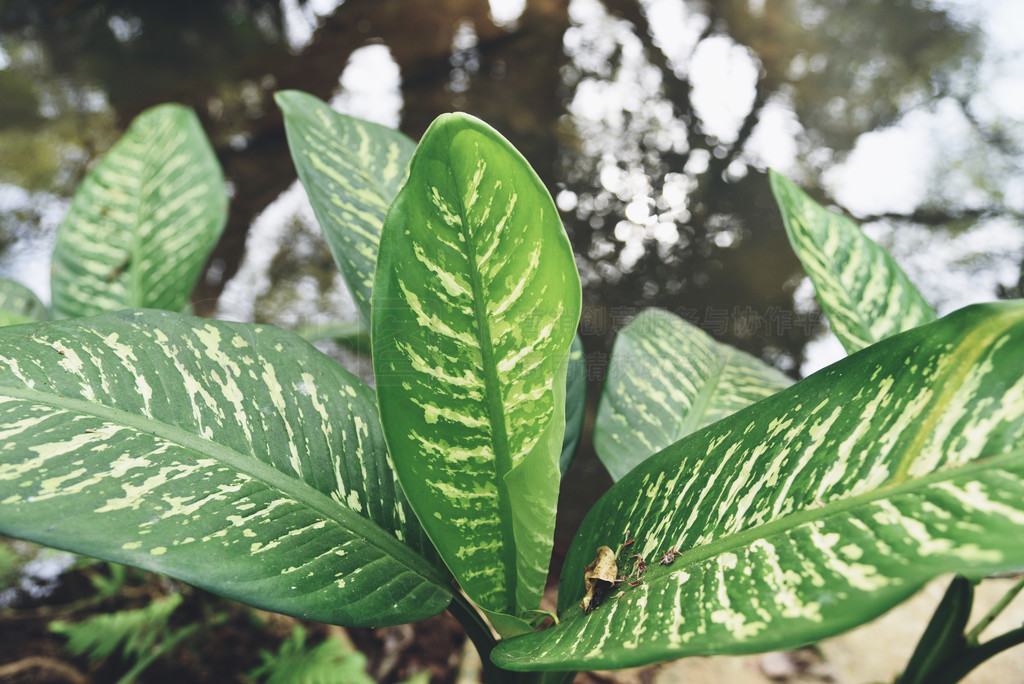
<point x="864" y="293"/>
<point x="18" y="304"/>
<point x="351" y="170"/>
<point x="231" y="456"/>
<point x="668" y="378"/>
<point x="575" y="404"/>
<point x="814" y="510"/>
<point x="475" y="303"/>
<point x="144" y="220"/>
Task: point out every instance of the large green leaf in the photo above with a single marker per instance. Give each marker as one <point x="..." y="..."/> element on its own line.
<point x="815" y="509"/>
<point x="351" y="170"/>
<point x="232" y="456"/>
<point x="475" y="303"/>
<point x="143" y="221"/>
<point x="668" y="378"/>
<point x="864" y="293"/>
<point x="18" y="304"/>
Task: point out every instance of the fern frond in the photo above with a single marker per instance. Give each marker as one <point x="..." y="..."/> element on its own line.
<point x="135" y="631"/>
<point x="329" y="662"/>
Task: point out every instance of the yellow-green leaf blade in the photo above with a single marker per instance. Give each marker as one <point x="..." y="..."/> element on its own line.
<point x="668" y="378"/>
<point x="144" y="220"/>
<point x="476" y="300"/>
<point x="351" y="170"/>
<point x="815" y="509"/>
<point x="865" y="294"/>
<point x="232" y="456"/>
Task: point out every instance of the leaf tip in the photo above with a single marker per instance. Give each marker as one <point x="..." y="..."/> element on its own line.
<point x="288" y="100"/>
<point x="778" y="182"/>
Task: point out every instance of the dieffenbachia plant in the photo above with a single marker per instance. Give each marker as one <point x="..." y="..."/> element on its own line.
<point x="863" y="292"/>
<point x="867" y="297"/>
<point x="144" y="220"/>
<point x="814" y="510"/>
<point x="351" y="170"/>
<point x="140" y="228"/>
<point x="757" y="514"/>
<point x="235" y="457"/>
<point x="668" y="378"/>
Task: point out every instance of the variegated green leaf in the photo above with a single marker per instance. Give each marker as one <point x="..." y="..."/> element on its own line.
<point x="864" y="293"/>
<point x="668" y="378"/>
<point x="351" y="170"/>
<point x="813" y="510"/>
<point x="143" y="221"/>
<point x="475" y="303"/>
<point x="575" y="404"/>
<point x="18" y="304"/>
<point x="232" y="456"/>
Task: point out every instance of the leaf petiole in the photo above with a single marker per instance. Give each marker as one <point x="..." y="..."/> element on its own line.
<point x="539" y="616"/>
<point x="975" y="632"/>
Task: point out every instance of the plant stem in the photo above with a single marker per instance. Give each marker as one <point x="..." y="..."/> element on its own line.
<point x="943" y="638"/>
<point x="479" y="632"/>
<point x="972" y="636"/>
<point x="977" y="655"/>
<point x="555" y="677"/>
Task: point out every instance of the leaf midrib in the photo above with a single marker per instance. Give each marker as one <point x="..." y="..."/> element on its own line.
<point x="249" y="465"/>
